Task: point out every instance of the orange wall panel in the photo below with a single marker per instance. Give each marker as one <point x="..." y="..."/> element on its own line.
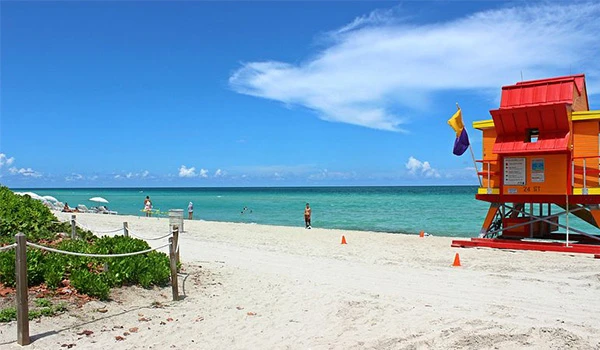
<point x="585" y="144"/>
<point x="489" y="137"/>
<point x="544" y="174"/>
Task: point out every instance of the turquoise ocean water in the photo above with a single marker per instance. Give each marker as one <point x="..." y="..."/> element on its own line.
<point x="442" y="210"/>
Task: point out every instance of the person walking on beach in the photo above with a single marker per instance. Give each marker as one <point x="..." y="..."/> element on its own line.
<point x="307" y="213"/>
<point x="148" y="206"/>
<point x="190" y="210"/>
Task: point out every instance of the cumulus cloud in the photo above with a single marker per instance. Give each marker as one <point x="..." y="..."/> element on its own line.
<point x="145" y="173"/>
<point x="5" y="160"/>
<point x="381" y="67"/>
<point x="219" y="173"/>
<point x="24" y="171"/>
<point x="203" y="173"/>
<point x="417" y="167"/>
<point x="187" y="172"/>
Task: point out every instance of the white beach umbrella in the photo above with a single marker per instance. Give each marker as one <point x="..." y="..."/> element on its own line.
<point x="50" y="198"/>
<point x="98" y="199"/>
<point x="32" y="195"/>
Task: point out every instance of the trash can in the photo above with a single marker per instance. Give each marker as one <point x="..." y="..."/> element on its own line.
<point x="176" y="218"/>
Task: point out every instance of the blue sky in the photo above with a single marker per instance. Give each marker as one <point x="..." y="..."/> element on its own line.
<point x="285" y="93"/>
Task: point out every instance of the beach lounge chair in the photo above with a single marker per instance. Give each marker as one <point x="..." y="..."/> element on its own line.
<point x="104" y="210"/>
<point x="57" y="206"/>
<point x="83" y="209"/>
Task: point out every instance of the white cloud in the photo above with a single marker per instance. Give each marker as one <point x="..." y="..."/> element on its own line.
<point x="74" y="177"/>
<point x="132" y="175"/>
<point x="203" y="173"/>
<point x="219" y="173"/>
<point x="417" y="167"/>
<point x="269" y="170"/>
<point x="331" y="175"/>
<point x="381" y="67"/>
<point x="187" y="172"/>
<point x="5" y="160"/>
<point x="25" y="172"/>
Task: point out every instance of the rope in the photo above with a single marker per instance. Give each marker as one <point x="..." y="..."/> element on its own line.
<point x="131" y="232"/>
<point x="146" y="238"/>
<point x="96" y="231"/>
<point x="8" y="247"/>
<point x="95" y="255"/>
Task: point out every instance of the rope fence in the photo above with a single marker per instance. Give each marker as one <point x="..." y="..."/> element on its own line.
<point x="22" y="303"/>
<point x="131" y="232"/>
<point x="8" y="247"/>
<point x="97" y="231"/>
<point x="95" y="255"/>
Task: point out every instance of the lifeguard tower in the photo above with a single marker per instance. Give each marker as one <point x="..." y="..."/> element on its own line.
<point x="541" y="163"/>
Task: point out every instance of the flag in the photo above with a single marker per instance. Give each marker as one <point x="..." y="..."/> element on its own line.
<point x="462" y="139"/>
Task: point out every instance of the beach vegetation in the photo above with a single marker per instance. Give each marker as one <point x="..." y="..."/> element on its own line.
<point x="41" y="307"/>
<point x="88" y="275"/>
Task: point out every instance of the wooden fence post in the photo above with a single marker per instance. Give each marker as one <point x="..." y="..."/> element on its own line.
<point x="174" y="286"/>
<point x="125" y="229"/>
<point x="22" y="290"/>
<point x="73" y="227"/>
<point x="176" y="242"/>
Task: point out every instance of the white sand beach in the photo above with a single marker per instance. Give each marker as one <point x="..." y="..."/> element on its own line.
<point x="269" y="287"/>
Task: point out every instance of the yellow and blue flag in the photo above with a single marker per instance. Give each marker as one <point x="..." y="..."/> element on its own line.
<point x="462" y="139"/>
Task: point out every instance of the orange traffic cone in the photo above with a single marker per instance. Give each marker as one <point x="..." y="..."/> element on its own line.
<point x="344" y="240"/>
<point x="422" y="234"/>
<point x="456" y="260"/>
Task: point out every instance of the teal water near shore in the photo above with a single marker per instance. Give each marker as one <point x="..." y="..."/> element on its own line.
<point x="440" y="210"/>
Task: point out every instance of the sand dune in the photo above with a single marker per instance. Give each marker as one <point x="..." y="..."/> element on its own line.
<point x="270" y="287"/>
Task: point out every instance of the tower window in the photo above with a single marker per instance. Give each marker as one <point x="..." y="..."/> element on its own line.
<point x="532" y="135"/>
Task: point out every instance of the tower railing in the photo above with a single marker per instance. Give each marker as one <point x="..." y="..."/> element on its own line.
<point x="487" y="172"/>
<point x="586" y="166"/>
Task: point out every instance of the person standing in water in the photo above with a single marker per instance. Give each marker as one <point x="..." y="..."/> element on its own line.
<point x="148" y="206"/>
<point x="307" y="213"/>
<point x="190" y="210"/>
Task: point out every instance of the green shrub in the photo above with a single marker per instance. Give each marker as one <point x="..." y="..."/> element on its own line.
<point x="43" y="307"/>
<point x="54" y="270"/>
<point x="8" y="314"/>
<point x="35" y="267"/>
<point x="23" y="214"/>
<point x="94" y="285"/>
<point x="155" y="270"/>
<point x="47" y="311"/>
<point x="43" y="302"/>
<point x="7" y="268"/>
<point x="35" y="313"/>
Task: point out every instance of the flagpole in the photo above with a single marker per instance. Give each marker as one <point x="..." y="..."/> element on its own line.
<point x="472" y="156"/>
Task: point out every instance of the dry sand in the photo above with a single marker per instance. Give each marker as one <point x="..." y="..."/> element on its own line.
<point x="270" y="287"/>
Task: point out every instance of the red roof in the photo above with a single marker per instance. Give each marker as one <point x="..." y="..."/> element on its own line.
<point x="512" y="125"/>
<point x="549" y="142"/>
<point x="544" y="91"/>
